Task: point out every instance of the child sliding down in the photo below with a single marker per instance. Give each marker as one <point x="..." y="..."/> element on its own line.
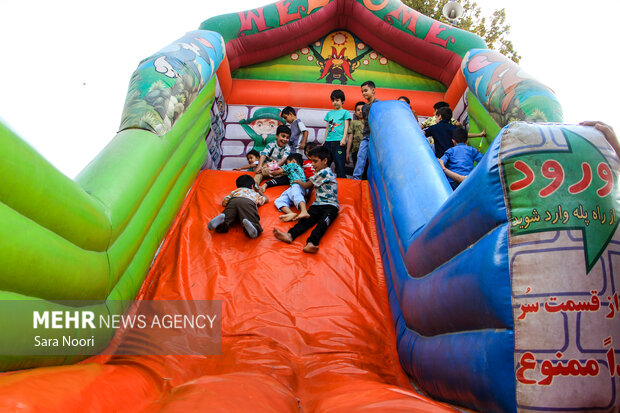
<point x="324" y="210"/>
<point x="295" y="195"/>
<point x="241" y="204"/>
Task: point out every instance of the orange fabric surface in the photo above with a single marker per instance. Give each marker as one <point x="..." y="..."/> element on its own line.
<point x="314" y="95"/>
<point x="301" y="332"/>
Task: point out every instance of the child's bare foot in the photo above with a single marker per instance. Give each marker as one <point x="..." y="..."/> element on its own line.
<point x="302" y="215"/>
<point x="288" y="217"/>
<point x="282" y="236"/>
<point x="311" y="248"/>
<point x="262" y="189"/>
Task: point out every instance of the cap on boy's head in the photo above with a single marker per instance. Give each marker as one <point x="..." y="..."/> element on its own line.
<point x="287" y="111"/>
<point x="283" y="129"/>
<point x="245" y="181"/>
<point x="369" y="83"/>
<point x="441" y="104"/>
<point x="360" y="103"/>
<point x="253" y="152"/>
<point x="322" y="153"/>
<point x="296" y="157"/>
<point x="337" y="94"/>
<point x="459" y="135"/>
<point x="445" y="113"/>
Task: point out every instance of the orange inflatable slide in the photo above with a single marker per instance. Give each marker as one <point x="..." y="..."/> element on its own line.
<point x="301" y="332"/>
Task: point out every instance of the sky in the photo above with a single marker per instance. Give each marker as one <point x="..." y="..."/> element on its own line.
<point x="66" y="64"/>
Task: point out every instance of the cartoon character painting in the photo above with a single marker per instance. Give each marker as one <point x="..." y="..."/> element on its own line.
<point x="338" y="58"/>
<point x="261" y="127"/>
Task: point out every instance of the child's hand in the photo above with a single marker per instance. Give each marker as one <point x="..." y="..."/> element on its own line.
<point x="483" y="133"/>
<point x="343" y="142"/>
<point x="257" y="169"/>
<point x="298" y="181"/>
<point x="443" y="166"/>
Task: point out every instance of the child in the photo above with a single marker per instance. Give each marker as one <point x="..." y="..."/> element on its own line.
<point x="242" y="203"/>
<point x="294" y="195"/>
<point x="408" y="102"/>
<point x="336" y="131"/>
<point x="324" y="210"/>
<point x="436" y="118"/>
<point x="307" y="165"/>
<point x="356" y="129"/>
<point x="368" y="92"/>
<point x="458" y="161"/>
<point x="274" y="154"/>
<point x="442" y="131"/>
<point x="299" y="132"/>
<point x="253" y="156"/>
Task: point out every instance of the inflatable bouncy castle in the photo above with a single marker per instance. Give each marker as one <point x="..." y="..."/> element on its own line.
<point x="499" y="296"/>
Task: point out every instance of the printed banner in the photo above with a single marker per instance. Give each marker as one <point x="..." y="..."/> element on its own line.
<point x="563" y="198"/>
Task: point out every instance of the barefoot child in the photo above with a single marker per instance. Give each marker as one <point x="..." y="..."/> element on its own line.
<point x="242" y="203"/>
<point x="295" y="194"/>
<point x="324" y="210"/>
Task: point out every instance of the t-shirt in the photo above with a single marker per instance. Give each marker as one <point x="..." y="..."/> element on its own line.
<point x="325" y="187"/>
<point x="335" y="124"/>
<point x="442" y="132"/>
<point x="365" y="113"/>
<point x="356" y="128"/>
<point x="246" y="193"/>
<point x="294" y="172"/>
<point x="433" y="120"/>
<point x="308" y="168"/>
<point x="460" y="159"/>
<point x="297" y="130"/>
<point x="273" y="152"/>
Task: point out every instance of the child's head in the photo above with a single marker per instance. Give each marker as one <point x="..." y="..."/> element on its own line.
<point x="459" y="135"/>
<point x="405" y="99"/>
<point x="445" y="113"/>
<point x="283" y="133"/>
<point x="252" y="156"/>
<point x="308" y="148"/>
<point x="358" y="109"/>
<point x="440" y="105"/>
<point x="337" y="97"/>
<point x="295" y="157"/>
<point x="245" y="181"/>
<point x="320" y="157"/>
<point x="288" y="113"/>
<point x="368" y="90"/>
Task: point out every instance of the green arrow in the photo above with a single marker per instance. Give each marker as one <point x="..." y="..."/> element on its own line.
<point x="572" y="189"/>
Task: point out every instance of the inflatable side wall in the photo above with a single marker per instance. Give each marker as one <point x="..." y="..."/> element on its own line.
<point x="94" y="239"/>
<point x="502" y="298"/>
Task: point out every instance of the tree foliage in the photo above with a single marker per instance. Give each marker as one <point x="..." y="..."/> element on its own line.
<point x="494" y="29"/>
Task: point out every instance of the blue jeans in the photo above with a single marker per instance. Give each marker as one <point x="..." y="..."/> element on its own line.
<point x="362" y="158"/>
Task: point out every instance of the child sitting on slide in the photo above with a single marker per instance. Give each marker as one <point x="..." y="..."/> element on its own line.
<point x="274" y="155"/>
<point x="324" y="210"/>
<point x="294" y="195"/>
<point x="241" y="204"/>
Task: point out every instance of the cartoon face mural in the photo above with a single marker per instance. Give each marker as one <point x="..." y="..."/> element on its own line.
<point x="261" y="127"/>
<point x="338" y="58"/>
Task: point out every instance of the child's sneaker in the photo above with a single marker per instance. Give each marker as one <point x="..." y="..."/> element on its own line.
<point x="216" y="222"/>
<point x="250" y="229"/>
